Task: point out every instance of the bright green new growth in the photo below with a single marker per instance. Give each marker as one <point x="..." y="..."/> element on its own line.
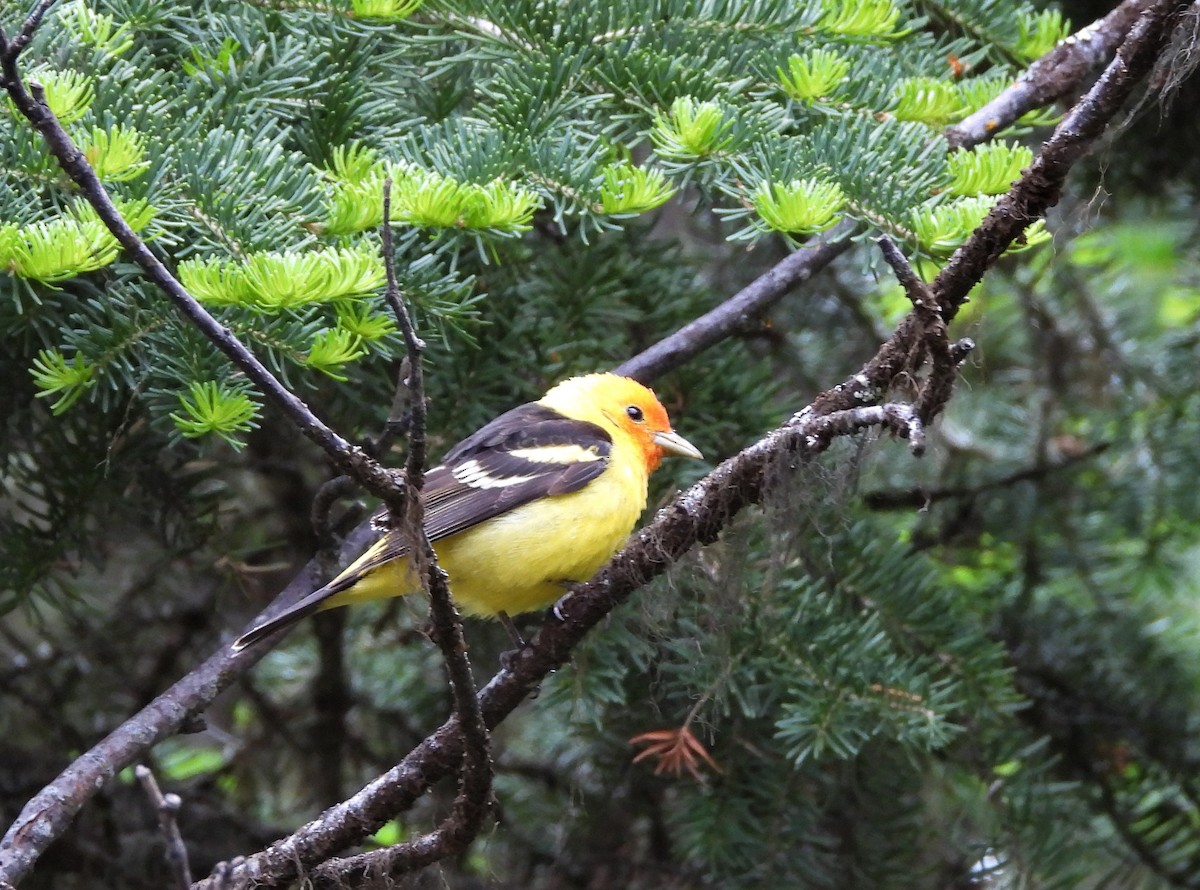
<point x="928" y="100"/>
<point x="800" y="207"/>
<point x="355" y="200"/>
<point x="427" y="199"/>
<point x="53" y="375"/>
<point x="211" y="407"/>
<point x="867" y="20"/>
<point x="628" y="189"/>
<point x="1040" y="32"/>
<point x="272" y="282"/>
<point x="332" y="349"/>
<point x="813" y="75"/>
<point x="117" y="154"/>
<point x="68" y="93"/>
<point x="385" y="10"/>
<point x="943" y="228"/>
<point x="95" y="29"/>
<point x="363" y="322"/>
<point x="691" y="130"/>
<point x="63" y="248"/>
<point x="987" y="169"/>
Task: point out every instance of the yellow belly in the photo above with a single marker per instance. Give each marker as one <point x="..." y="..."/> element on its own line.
<point x="522" y="560"/>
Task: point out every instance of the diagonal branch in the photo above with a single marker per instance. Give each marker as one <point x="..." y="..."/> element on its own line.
<point x="11" y="50"/>
<point x="1027" y="200"/>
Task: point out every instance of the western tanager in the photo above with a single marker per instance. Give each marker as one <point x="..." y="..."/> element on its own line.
<point x="536" y="500"/>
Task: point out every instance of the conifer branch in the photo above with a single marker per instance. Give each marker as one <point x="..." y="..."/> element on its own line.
<point x="1030" y="197"/>
<point x="1050" y="78"/>
<point x="348" y="458"/>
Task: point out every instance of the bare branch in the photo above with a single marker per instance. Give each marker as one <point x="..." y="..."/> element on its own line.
<point x="915" y="289"/>
<point x="748" y="303"/>
<point x="1054" y="76"/>
<point x="166" y="806"/>
<point x="10" y="50"/>
<point x="921" y="498"/>
<point x="455" y="834"/>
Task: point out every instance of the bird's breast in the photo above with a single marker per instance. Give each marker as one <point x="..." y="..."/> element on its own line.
<point x="522" y="560"/>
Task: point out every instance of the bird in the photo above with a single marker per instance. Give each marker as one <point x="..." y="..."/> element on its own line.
<point x="528" y="506"/>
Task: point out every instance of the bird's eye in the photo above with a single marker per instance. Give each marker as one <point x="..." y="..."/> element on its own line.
<point x="635" y="413"/>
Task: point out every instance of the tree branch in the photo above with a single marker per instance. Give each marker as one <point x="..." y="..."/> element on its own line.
<point x="748" y="303"/>
<point x="1052" y="77"/>
<point x="10" y="50"/>
<point x="165" y="808"/>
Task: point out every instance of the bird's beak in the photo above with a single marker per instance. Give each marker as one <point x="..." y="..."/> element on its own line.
<point x="673" y="443"/>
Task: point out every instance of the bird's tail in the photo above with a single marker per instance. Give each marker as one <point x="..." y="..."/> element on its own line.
<point x="361" y="576"/>
<point x="289" y="616"/>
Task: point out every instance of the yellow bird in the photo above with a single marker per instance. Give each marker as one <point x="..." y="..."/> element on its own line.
<point x="535" y="501"/>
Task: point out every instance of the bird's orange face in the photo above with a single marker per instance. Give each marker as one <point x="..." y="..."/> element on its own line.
<point x="624" y="404"/>
<point x="644" y="418"/>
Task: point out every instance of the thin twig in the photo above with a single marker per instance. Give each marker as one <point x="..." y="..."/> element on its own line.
<point x="915" y="289"/>
<point x="920" y="498"/>
<point x="457" y="831"/>
<point x="166" y="807"/>
<point x="944" y="360"/>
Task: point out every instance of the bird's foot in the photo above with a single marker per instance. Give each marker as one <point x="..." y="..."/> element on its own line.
<point x="570" y="587"/>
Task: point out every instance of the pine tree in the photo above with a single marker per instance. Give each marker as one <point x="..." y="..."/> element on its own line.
<point x="971" y="670"/>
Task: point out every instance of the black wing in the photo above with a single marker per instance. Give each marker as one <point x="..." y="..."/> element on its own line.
<point x="528" y="453"/>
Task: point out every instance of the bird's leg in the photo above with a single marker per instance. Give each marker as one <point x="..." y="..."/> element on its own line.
<point x="507" y="656"/>
<point x="514" y="634"/>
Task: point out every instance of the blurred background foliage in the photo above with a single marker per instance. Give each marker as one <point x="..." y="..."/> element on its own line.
<point x="973" y="670"/>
